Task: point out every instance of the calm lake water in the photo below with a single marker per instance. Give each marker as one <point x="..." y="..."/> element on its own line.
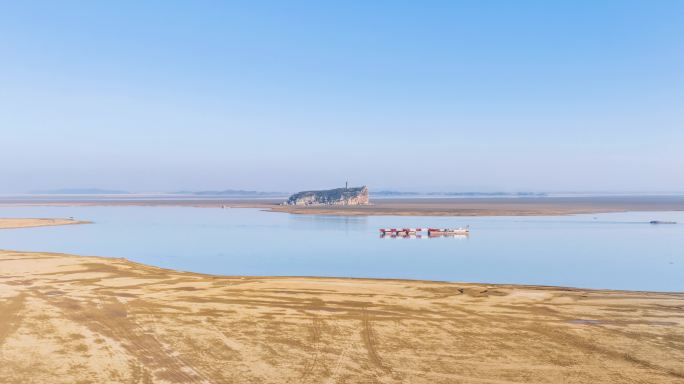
<point x="617" y="250"/>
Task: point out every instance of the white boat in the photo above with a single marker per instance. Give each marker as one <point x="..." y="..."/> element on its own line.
<point x="448" y="231"/>
<point x="416" y="232"/>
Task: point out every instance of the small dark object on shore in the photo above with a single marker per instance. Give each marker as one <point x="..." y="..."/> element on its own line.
<point x="662" y="222"/>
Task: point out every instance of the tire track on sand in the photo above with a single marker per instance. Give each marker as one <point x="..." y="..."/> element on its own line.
<point x="111" y="318"/>
<point x="369" y="340"/>
<point x="315" y="330"/>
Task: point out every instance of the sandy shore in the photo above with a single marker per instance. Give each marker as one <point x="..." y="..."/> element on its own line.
<point x="27" y="223"/>
<point x="73" y="319"/>
<point x="490" y="206"/>
<point x="497" y="206"/>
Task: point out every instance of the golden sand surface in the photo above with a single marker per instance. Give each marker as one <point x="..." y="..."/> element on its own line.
<point x="27" y="223"/>
<point x="75" y="319"/>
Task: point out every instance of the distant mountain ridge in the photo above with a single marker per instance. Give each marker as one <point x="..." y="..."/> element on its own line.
<point x="230" y="192"/>
<point x="79" y="191"/>
<point x="461" y="194"/>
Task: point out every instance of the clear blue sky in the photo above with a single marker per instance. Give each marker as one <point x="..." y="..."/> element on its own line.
<point x="288" y="95"/>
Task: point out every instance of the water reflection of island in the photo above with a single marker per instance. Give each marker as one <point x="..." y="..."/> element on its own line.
<point x="328" y="222"/>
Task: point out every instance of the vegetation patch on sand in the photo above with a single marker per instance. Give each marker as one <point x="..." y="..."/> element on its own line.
<point x="72" y="319"/>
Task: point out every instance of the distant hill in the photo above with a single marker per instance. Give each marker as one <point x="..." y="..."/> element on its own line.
<point x="79" y="191"/>
<point x="337" y="196"/>
<point x="458" y="194"/>
<point x="231" y="193"/>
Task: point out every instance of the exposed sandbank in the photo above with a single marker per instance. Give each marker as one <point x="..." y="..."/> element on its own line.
<point x="535" y="206"/>
<point x="28" y="223"/>
<point x="490" y="206"/>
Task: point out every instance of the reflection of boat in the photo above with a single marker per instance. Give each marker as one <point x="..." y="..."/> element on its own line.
<point x="662" y="222"/>
<point x="449" y="235"/>
<point x="402" y="235"/>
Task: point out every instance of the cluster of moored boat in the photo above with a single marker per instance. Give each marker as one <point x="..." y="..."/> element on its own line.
<point x="431" y="232"/>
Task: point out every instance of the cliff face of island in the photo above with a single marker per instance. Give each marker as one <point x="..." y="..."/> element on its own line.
<point x="338" y="196"/>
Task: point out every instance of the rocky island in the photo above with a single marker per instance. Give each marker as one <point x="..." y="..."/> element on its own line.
<point x="338" y="196"/>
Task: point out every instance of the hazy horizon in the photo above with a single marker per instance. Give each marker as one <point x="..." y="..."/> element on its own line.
<point x="388" y="192"/>
<point x="272" y="96"/>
